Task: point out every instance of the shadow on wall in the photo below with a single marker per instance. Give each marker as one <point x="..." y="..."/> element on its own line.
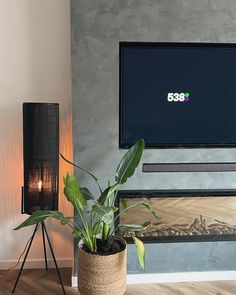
<point x="10" y="239"/>
<point x="11" y="176"/>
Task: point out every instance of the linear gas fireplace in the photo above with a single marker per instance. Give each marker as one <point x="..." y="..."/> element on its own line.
<point x="185" y="215"/>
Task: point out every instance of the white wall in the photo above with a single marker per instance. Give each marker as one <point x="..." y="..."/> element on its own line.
<point x="34" y="66"/>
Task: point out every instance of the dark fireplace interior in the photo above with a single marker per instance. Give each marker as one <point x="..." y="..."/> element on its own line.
<point x="184" y="215"/>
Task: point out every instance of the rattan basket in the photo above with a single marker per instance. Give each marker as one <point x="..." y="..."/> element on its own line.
<point x="102" y="275"/>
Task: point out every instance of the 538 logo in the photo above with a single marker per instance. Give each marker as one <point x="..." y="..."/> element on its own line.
<point x="178" y="97"/>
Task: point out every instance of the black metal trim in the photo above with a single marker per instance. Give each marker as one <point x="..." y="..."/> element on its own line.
<point x="26" y="255"/>
<point x="125" y="44"/>
<point x="121" y="145"/>
<point x="148" y="194"/>
<point x="44" y="230"/>
<point x="22" y="201"/>
<point x="189" y="167"/>
<point x="183" y="239"/>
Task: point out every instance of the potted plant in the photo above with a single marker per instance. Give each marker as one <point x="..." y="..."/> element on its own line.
<point x="102" y="252"/>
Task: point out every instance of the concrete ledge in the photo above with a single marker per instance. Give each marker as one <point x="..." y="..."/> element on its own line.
<point x="181" y="277"/>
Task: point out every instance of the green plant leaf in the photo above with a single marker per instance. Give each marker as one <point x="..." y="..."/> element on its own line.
<point x="106" y="194"/>
<point x="140" y="252"/>
<point x="103" y="197"/>
<point x="146" y="224"/>
<point x="39" y="216"/>
<point x="73" y="193"/>
<point x="129" y="162"/>
<point x="98" y="227"/>
<point x="133" y="227"/>
<point x="64" y="221"/>
<point x="76" y="234"/>
<point x="114" y="208"/>
<point x="87" y="194"/>
<point x="141" y="203"/>
<point x="124" y="203"/>
<point x="106" y="214"/>
<point x="153" y="212"/>
<point x="106" y="231"/>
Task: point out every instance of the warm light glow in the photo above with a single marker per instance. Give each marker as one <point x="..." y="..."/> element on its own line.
<point x="40" y="185"/>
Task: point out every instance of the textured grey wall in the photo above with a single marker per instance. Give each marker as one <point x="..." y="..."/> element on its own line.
<point x="97" y="28"/>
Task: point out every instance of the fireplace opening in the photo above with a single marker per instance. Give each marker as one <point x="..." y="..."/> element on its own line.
<point x="206" y="215"/>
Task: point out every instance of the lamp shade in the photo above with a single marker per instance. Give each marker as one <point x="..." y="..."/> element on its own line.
<point x="41" y="156"/>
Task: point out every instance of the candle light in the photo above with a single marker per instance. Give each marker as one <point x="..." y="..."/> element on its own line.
<point x="40" y="185"/>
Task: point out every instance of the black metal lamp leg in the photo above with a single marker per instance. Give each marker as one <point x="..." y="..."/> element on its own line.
<point x="23" y="263"/>
<point x="44" y="247"/>
<point x="54" y="258"/>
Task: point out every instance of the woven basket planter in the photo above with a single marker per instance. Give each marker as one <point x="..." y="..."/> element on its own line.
<point x="102" y="275"/>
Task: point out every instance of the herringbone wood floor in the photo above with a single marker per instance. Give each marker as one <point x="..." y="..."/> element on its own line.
<point x="39" y="282"/>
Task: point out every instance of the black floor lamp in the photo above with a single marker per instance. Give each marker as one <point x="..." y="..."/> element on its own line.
<point x="41" y="166"/>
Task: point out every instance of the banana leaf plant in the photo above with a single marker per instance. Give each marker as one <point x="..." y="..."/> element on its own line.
<point x="98" y="218"/>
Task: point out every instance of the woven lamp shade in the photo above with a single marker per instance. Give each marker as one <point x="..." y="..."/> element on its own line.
<point x="41" y="156"/>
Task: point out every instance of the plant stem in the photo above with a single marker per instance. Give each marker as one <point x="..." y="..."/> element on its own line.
<point x="115" y="195"/>
<point x="127" y="208"/>
<point x="84" y="170"/>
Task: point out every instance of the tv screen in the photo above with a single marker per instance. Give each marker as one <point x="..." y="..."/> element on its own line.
<point x="178" y="94"/>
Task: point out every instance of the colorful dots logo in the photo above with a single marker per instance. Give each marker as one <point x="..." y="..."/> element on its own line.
<point x="187" y="96"/>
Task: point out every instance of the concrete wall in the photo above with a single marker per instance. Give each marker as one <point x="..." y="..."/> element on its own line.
<point x="97" y="28"/>
<point x="35" y="66"/>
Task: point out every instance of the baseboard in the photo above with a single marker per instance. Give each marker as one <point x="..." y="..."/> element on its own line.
<point x="37" y="263"/>
<point x="74" y="281"/>
<point x="179" y="277"/>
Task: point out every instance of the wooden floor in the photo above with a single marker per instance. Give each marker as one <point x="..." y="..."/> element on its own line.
<point x="38" y="282"/>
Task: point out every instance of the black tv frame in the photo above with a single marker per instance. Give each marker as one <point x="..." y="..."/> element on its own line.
<point x="127" y="44"/>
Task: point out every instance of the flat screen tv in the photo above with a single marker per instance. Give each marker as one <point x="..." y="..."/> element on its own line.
<point x="178" y="94"/>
